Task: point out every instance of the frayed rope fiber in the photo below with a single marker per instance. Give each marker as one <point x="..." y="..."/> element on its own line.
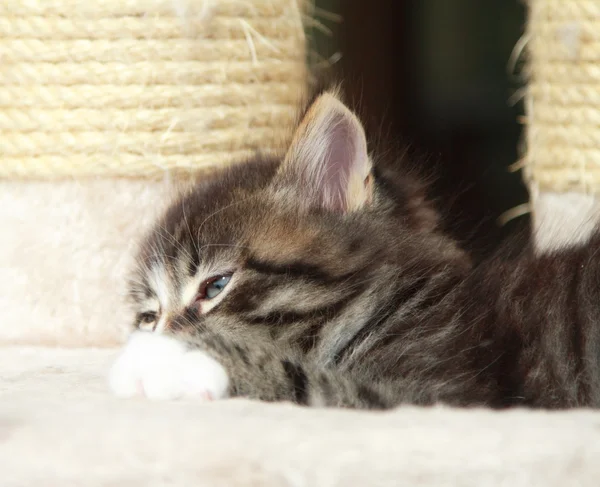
<point x="563" y="96"/>
<point x="137" y="87"/>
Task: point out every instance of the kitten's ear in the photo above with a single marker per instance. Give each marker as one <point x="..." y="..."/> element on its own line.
<point x="327" y="164"/>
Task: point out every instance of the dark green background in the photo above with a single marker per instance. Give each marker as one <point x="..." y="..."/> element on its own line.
<point x="436" y="72"/>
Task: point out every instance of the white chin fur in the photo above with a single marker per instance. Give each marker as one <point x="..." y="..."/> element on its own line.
<point x="161" y="367"/>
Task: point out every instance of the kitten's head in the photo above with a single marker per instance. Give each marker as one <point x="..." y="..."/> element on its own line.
<point x="270" y="245"/>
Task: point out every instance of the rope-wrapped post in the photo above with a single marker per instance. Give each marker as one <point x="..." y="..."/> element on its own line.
<point x="562" y="163"/>
<point x="104" y="107"/>
<point x="137" y="87"/>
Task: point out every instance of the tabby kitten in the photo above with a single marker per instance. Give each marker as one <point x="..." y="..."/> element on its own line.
<point x="323" y="279"/>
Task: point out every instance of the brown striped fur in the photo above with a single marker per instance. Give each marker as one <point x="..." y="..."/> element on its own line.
<point x="345" y="293"/>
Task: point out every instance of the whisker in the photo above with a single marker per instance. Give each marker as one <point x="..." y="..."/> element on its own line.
<point x="178" y="245"/>
<point x="235" y="246"/>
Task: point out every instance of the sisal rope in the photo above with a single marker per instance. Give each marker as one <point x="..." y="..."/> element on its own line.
<point x="137" y="87"/>
<point x="563" y="96"/>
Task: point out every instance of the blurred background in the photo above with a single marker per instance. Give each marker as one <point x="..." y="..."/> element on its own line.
<point x="436" y="75"/>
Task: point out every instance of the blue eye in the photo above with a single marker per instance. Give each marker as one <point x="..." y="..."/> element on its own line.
<point x="212" y="287"/>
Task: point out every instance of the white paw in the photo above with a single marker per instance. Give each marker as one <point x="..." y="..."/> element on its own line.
<point x="160" y="367"/>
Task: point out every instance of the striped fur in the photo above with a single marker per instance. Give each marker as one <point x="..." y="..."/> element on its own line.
<point x="356" y="299"/>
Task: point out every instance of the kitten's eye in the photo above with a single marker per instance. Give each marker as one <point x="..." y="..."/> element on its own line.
<point x="212" y="287"/>
<point x="147" y="317"/>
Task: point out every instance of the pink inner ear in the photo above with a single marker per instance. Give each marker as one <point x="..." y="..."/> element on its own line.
<point x="339" y="163"/>
<point x="346" y="158"/>
<point x="327" y="162"/>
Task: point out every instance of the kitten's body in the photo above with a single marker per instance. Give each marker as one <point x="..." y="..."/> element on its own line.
<point x="341" y="291"/>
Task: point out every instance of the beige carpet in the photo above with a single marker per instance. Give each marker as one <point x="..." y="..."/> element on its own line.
<point x="59" y="426"/>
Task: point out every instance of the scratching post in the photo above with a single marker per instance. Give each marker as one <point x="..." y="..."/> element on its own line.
<point x="562" y="164"/>
<point x="105" y="107"/>
<point x="134" y="88"/>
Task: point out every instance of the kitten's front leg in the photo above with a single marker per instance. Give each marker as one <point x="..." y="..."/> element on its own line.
<point x="205" y="366"/>
<point x="209" y="367"/>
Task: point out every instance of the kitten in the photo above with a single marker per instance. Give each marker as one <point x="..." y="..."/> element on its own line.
<point x="323" y="279"/>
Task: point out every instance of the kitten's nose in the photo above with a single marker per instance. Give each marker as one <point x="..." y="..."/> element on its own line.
<point x="164" y="325"/>
<point x="171" y="323"/>
<point x="187" y="319"/>
<point x="160" y="326"/>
